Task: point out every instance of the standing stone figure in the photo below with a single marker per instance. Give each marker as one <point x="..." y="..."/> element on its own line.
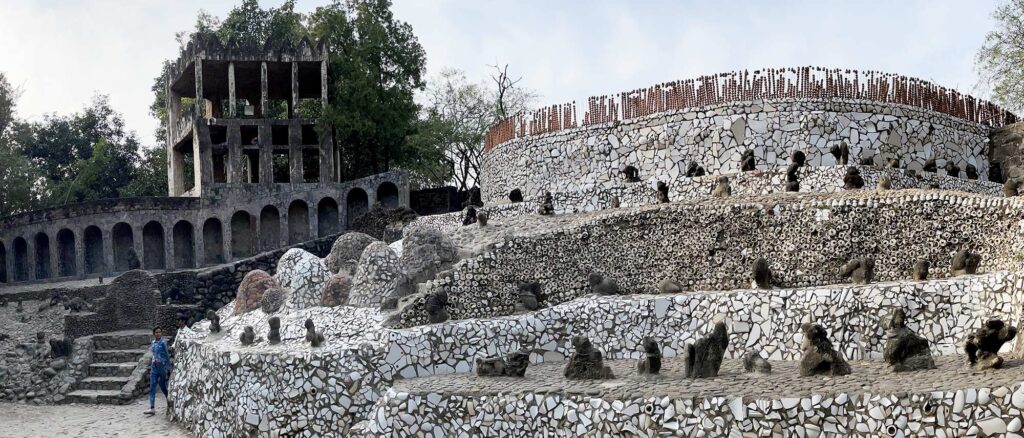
<point x="512" y="365"/>
<point x="586" y="362"/>
<point x="481" y="218"/>
<point x="819" y="356"/>
<point x="861" y="271"/>
<point x="214" y="321"/>
<point x="982" y="346"/>
<point x="799" y="158"/>
<point x="754" y="363"/>
<point x="602" y="285"/>
<point x="547" y="205"/>
<point x="662" y="194"/>
<point x="792" y="177"/>
<point x="704" y="358"/>
<point x="971" y="171"/>
<point x="651" y="362"/>
<point x="747" y="161"/>
<point x="965" y="263"/>
<point x="248" y="336"/>
<point x="762" y="274"/>
<point x="315" y="339"/>
<point x="905" y="350"/>
<point x="436" y="306"/>
<point x="470" y="216"/>
<point x="274" y="336"/>
<point x="921" y="270"/>
<point x="1010" y="188"/>
<point x="722" y="189"/>
<point x="852" y="180"/>
<point x="842" y="153"/>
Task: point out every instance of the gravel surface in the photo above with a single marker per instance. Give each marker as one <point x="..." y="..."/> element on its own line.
<point x="76" y="420"/>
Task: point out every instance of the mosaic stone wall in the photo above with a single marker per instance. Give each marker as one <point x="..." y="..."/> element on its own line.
<point x="711" y="245"/>
<point x="661" y="146"/>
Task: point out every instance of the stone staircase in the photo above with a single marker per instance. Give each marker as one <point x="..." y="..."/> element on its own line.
<point x="118" y="371"/>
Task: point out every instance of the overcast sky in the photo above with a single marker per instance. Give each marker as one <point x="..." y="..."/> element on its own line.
<point x="61" y="53"/>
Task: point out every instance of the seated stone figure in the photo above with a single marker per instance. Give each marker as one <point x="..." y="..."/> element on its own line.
<point x="971" y="171"/>
<point x="651" y="362"/>
<point x="704" y="358"/>
<point x="982" y="346"/>
<point x="819" y="356"/>
<point x="248" y="336"/>
<point x="586" y="362"/>
<point x="762" y="274"/>
<point x="662" y="194"/>
<point x="274" y="336"/>
<point x="481" y="218"/>
<point x="842" y="153"/>
<point x="314" y="337"/>
<point x="952" y="170"/>
<point x="512" y="365"/>
<point x="669" y="286"/>
<point x="214" y="321"/>
<point x="860" y="271"/>
<point x="470" y="216"/>
<point x="436" y="306"/>
<point x="631" y="174"/>
<point x="530" y="295"/>
<point x="930" y="166"/>
<point x="747" y="161"/>
<point x="904" y="349"/>
<point x="694" y="169"/>
<point x="515" y="195"/>
<point x="921" y="270"/>
<point x="754" y="363"/>
<point x="852" y="180"/>
<point x="722" y="189"/>
<point x="602" y="285"/>
<point x="547" y="205"/>
<point x="965" y="263"/>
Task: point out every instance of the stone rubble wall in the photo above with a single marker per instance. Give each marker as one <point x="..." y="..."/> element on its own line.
<point x="661" y="146"/>
<point x="711" y="245"/>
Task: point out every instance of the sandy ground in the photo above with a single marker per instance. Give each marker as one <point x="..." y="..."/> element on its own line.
<point x="75" y="420"/>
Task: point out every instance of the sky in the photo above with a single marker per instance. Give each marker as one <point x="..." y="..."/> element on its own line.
<point x="63" y="52"/>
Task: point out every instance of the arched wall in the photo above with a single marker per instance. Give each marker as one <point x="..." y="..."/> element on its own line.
<point x="661" y="146"/>
<point x="387" y="194"/>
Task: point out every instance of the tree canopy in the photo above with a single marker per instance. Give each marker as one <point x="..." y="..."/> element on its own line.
<point x="1000" y="60"/>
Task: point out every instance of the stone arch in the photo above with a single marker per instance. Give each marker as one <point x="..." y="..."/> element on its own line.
<point x="356" y="203"/>
<point x="298" y="221"/>
<point x="153" y="248"/>
<point x="124" y="246"/>
<point x="242" y="235"/>
<point x="270" y="228"/>
<point x="387" y="194"/>
<point x="92" y="238"/>
<point x="42" y="242"/>
<point x="3" y="263"/>
<point x="183" y="235"/>
<point x="213" y="242"/>
<point x="20" y="259"/>
<point x="67" y="264"/>
<point x="327" y="217"/>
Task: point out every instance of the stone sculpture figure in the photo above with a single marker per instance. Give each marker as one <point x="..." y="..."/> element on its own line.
<point x="670" y="286"/>
<point x="860" y="271"/>
<point x="852" y="180"/>
<point x="662" y="194"/>
<point x="982" y="346"/>
<point x="650" y="363"/>
<point x="248" y="336"/>
<point x="214" y="321"/>
<point x="40" y="337"/>
<point x="694" y="169"/>
<point x="792" y="172"/>
<point x="867" y="161"/>
<point x="965" y="263"/>
<point x="722" y="189"/>
<point x="60" y="347"/>
<point x="971" y="171"/>
<point x="793" y="186"/>
<point x="904" y="349"/>
<point x="952" y="169"/>
<point x="1010" y="188"/>
<point x="547" y="205"/>
<point x="799" y="158"/>
<point x="747" y="161"/>
<point x="19" y="308"/>
<point x="512" y="365"/>
<point x="819" y="356"/>
<point x="632" y="174"/>
<point x="530" y="295"/>
<point x="884" y="183"/>
<point x="470" y="216"/>
<point x="586" y="362"/>
<point x="921" y="270"/>
<point x="930" y="166"/>
<point x="842" y="153"/>
<point x="754" y="363"/>
<point x="482" y="217"/>
<point x="704" y="358"/>
<point x="436" y="306"/>
<point x="602" y="285"/>
<point x="762" y="274"/>
<point x="315" y="339"/>
<point x="515" y="195"/>
<point x="614" y="203"/>
<point x="274" y="336"/>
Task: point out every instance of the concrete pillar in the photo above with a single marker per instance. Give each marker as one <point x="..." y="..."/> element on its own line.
<point x="232" y="105"/>
<point x="9" y="261"/>
<point x="108" y="250"/>
<point x="234" y="154"/>
<point x="314" y="220"/>
<point x="80" y="254"/>
<point x="200" y="103"/>
<point x="137" y="240"/>
<point x="169" y="245"/>
<point x="202" y="154"/>
<point x="295" y="151"/>
<point x="54" y="256"/>
<point x="294" y="110"/>
<point x="323" y="83"/>
<point x="266" y="154"/>
<point x="227" y="229"/>
<point x="30" y="256"/>
<point x="371" y="196"/>
<point x="264" y="94"/>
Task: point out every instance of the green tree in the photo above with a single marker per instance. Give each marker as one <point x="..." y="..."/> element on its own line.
<point x="1000" y="60"/>
<point x="150" y="177"/>
<point x="19" y="177"/>
<point x="87" y="182"/>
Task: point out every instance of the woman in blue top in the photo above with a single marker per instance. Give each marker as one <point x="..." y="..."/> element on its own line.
<point x="158" y="370"/>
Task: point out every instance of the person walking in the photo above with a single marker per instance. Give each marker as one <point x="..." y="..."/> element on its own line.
<point x="158" y="369"/>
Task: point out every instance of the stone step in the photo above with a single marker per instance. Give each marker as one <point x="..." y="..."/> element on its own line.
<point x="91" y="396"/>
<point x="111" y="369"/>
<point x="123" y="340"/>
<point x="111" y="383"/>
<point x="100" y="356"/>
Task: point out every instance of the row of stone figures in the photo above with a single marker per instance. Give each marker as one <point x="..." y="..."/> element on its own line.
<point x="248" y="336"/>
<point x="904" y="351"/>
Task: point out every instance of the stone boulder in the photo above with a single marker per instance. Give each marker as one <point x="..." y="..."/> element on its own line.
<point x="904" y="349"/>
<point x="425" y="252"/>
<point x="305" y="275"/>
<point x="703" y="359"/>
<point x="586" y="362"/>
<point x="345" y="252"/>
<point x="377" y="276"/>
<point x="337" y="289"/>
<point x="819" y="355"/>
<point x="250" y="291"/>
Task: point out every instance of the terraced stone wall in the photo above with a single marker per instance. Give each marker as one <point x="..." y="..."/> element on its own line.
<point x="661" y="146"/>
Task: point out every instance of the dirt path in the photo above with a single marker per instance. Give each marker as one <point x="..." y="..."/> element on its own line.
<point x="75" y="420"/>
